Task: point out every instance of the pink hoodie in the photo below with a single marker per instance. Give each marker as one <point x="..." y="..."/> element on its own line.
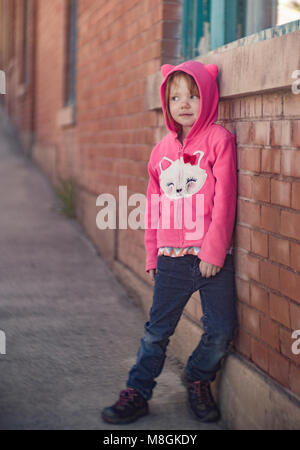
<point x="195" y="196"/>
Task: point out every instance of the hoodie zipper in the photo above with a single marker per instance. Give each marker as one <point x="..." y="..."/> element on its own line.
<point x="181" y="147"/>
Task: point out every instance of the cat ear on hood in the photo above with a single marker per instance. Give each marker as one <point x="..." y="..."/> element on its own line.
<point x="213" y="70"/>
<point x="166" y="68"/>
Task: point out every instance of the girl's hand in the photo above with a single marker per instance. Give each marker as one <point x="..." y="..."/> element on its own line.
<point x="152" y="273"/>
<point x="208" y="270"/>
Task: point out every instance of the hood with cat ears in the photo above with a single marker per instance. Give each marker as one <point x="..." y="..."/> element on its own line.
<point x="205" y="77"/>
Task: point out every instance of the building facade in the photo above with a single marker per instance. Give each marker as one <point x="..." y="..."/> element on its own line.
<point x="82" y="87"/>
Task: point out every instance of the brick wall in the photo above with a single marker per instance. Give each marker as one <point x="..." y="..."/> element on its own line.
<point x="268" y="230"/>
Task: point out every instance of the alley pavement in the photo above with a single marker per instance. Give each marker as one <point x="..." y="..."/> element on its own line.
<point x="72" y="331"/>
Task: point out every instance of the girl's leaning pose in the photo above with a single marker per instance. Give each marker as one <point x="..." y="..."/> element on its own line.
<point x="191" y="205"/>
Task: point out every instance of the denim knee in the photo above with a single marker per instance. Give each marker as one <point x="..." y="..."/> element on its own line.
<point x="221" y="339"/>
<point x="151" y="338"/>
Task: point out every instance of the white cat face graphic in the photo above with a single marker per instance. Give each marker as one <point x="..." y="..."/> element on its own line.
<point x="182" y="179"/>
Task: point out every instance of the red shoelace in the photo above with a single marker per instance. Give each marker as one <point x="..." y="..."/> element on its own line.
<point x="126" y="395"/>
<point x="200" y="389"/>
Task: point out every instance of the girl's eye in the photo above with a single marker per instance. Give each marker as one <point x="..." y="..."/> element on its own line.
<point x="190" y="179"/>
<point x="194" y="96"/>
<point x="170" y="184"/>
<point x="175" y="98"/>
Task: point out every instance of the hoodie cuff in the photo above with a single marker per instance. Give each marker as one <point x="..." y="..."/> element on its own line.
<point x="151" y="264"/>
<point x="216" y="260"/>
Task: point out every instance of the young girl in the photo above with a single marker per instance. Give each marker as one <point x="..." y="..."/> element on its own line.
<point x="192" y="172"/>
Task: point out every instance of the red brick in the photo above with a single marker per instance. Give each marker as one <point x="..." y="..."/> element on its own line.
<point x="290" y="224"/>
<point x="270" y="332"/>
<point x="269" y="275"/>
<point x="296" y="133"/>
<point x="289" y="284"/>
<point x="295" y="379"/>
<point x="259" y="243"/>
<point x="242" y="343"/>
<point x="296" y="195"/>
<point x="272" y="105"/>
<point x="240" y="263"/>
<point x="279" y="368"/>
<point x="281" y="192"/>
<point x="279" y="250"/>
<point x="290" y="163"/>
<point x="245" y="185"/>
<point x="261" y="188"/>
<point x="270" y="218"/>
<point x="250" y="159"/>
<point x="260" y="354"/>
<point x="243" y="132"/>
<point x="239" y="154"/>
<point x="295" y="316"/>
<point x="259" y="298"/>
<point x="281" y="133"/>
<point x="270" y="160"/>
<point x="291" y="105"/>
<point x="243" y="291"/>
<point x="236" y="108"/>
<point x="261" y="132"/>
<point x="248" y="213"/>
<point x="243" y="237"/>
<point x="295" y="256"/>
<point x="280" y="309"/>
<point x="240" y="307"/>
<point x="251" y="320"/>
<point x="224" y="110"/>
<point x="247" y="266"/>
<point x="251" y="106"/>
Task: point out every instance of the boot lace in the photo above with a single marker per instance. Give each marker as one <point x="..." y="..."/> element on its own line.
<point x="126" y="395"/>
<point x="200" y="391"/>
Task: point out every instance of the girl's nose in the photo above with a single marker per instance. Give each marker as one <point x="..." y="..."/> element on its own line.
<point x="185" y="104"/>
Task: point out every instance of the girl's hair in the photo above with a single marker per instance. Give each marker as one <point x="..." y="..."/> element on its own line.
<point x="193" y="88"/>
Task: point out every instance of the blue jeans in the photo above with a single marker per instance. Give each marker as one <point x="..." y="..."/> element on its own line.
<point x="175" y="281"/>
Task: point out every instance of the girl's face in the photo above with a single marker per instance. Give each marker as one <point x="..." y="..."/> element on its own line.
<point x="184" y="107"/>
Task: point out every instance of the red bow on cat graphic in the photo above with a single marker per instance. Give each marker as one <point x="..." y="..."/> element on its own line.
<point x="190" y="159"/>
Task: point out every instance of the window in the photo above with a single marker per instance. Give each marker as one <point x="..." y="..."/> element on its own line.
<point x="196" y="22"/>
<point x="71" y="34"/>
<point x="227" y="21"/>
<point x="209" y="24"/>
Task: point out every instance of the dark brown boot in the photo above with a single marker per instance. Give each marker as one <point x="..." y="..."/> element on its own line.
<point x="202" y="402"/>
<point x="130" y="406"/>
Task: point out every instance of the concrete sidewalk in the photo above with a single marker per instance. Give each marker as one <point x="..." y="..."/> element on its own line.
<point x="72" y="332"/>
